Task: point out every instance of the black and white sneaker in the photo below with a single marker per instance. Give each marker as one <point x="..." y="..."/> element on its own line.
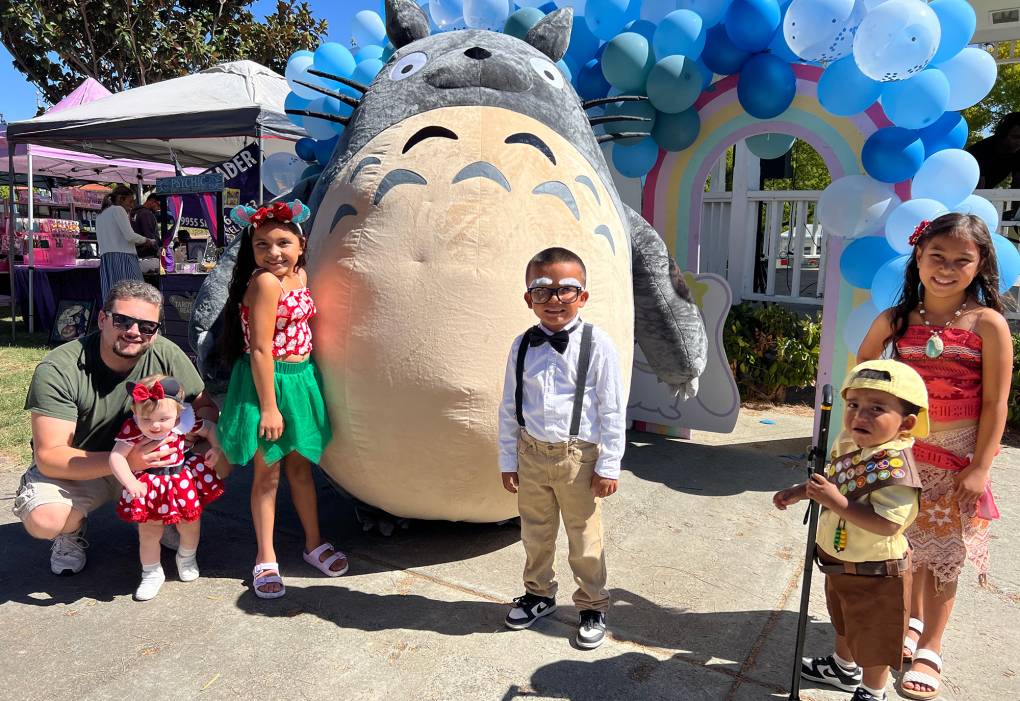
<point x="591" y="629"/>
<point x="527" y="609"/>
<point x="825" y="670"/>
<point x="862" y="694"/>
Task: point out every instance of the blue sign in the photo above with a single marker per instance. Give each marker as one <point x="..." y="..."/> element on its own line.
<point x="190" y="184"/>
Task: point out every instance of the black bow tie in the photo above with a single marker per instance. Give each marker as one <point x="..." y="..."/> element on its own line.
<point x="558" y="340"/>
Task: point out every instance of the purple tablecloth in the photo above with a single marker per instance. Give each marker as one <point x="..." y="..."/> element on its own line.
<point x="50" y="285"/>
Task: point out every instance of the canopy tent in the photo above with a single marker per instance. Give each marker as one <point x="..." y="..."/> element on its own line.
<point x="200" y="119"/>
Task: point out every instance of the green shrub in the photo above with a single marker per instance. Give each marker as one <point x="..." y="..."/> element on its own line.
<point x="771" y="349"/>
<point x="1013" y="418"/>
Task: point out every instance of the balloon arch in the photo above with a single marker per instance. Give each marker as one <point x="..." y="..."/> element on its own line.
<point x="875" y="86"/>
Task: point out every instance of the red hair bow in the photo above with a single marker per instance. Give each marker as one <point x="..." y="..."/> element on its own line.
<point x="140" y="393"/>
<point x="278" y="211"/>
<point x="918" y="231"/>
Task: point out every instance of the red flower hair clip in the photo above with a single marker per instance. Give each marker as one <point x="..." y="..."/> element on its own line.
<point x="918" y="232"/>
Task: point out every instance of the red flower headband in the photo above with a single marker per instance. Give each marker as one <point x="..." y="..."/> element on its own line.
<point x="247" y="215"/>
<point x="918" y="232"/>
<point x="159" y="390"/>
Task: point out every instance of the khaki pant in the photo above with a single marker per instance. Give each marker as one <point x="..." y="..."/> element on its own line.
<point x="554" y="480"/>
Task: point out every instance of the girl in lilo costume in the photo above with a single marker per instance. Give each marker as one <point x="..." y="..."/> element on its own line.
<point x="274" y="411"/>
<point x="949" y="327"/>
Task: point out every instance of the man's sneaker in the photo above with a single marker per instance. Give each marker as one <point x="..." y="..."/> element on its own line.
<point x="527" y="609"/>
<point x="862" y="694"/>
<point x="591" y="629"/>
<point x="67" y="553"/>
<point x="170" y="539"/>
<point x="825" y="670"/>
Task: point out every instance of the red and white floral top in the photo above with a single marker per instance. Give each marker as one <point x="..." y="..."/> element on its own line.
<point x="174" y="447"/>
<point x="293" y="335"/>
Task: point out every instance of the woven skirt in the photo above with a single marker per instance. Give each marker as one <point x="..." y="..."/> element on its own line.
<point x="114" y="267"/>
<point x="306" y="428"/>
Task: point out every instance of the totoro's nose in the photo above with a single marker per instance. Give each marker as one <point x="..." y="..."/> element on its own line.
<point x="477" y="53"/>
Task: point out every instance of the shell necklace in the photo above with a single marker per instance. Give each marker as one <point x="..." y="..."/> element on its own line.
<point x="935" y="345"/>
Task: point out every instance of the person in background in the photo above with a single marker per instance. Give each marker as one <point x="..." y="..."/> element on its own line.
<point x="118" y="259"/>
<point x="145" y="220"/>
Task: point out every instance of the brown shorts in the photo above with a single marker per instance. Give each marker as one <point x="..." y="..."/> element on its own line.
<point x="871" y="613"/>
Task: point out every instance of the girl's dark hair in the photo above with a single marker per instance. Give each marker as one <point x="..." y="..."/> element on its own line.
<point x="232" y="339"/>
<point x="984" y="286"/>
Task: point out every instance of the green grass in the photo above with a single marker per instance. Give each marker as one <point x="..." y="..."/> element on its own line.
<point x="17" y="363"/>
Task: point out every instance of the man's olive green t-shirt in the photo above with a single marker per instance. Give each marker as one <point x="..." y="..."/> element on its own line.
<point x="74" y="384"/>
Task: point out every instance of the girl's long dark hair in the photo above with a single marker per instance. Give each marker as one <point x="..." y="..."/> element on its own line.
<point x="232" y="340"/>
<point x="984" y="286"/>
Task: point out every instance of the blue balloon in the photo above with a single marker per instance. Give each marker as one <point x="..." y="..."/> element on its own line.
<point x="367" y="70"/>
<point x="948" y="131"/>
<point x="1009" y="262"/>
<point x="635" y="161"/>
<point x="655" y="10"/>
<point x="971" y="75"/>
<point x="293" y="101"/>
<point x="949" y="176"/>
<point x="486" y="14"/>
<point x="591" y="83"/>
<point x="892" y="154"/>
<point x="642" y="27"/>
<point x="518" y="24"/>
<point x="769" y="146"/>
<point x="680" y="32"/>
<point x="305" y="149"/>
<point x="321" y="128"/>
<point x="861" y="259"/>
<point x="982" y="209"/>
<point x="565" y="69"/>
<point x="675" y="132"/>
<point x="583" y="44"/>
<point x="334" y="58"/>
<point x="605" y="18"/>
<point x="674" y="84"/>
<point x="780" y="48"/>
<point x="324" y="150"/>
<point x="368" y="28"/>
<point x="958" y="23"/>
<point x="887" y="287"/>
<point x="721" y="55"/>
<point x="905" y="218"/>
<point x="297" y="69"/>
<point x="627" y="61"/>
<point x="711" y="11"/>
<point x="751" y="24"/>
<point x="367" y="52"/>
<point x="706" y="75"/>
<point x="447" y="14"/>
<point x="766" y="87"/>
<point x="630" y="109"/>
<point x="896" y="39"/>
<point x="844" y="91"/>
<point x="918" y="101"/>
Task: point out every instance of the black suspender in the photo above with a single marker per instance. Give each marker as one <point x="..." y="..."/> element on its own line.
<point x="583" y="363"/>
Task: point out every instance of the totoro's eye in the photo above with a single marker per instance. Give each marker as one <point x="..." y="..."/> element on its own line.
<point x="408" y="66"/>
<point x="549" y="72"/>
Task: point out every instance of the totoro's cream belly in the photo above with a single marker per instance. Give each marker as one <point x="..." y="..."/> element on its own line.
<point x="421" y="295"/>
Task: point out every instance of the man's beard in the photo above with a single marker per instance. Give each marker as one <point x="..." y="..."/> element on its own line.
<point x="118" y="351"/>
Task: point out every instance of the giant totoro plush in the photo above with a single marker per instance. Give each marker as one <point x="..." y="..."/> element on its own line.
<point x="467" y="154"/>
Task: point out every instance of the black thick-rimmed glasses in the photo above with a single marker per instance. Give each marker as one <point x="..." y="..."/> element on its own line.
<point x="125" y="322"/>
<point x="565" y="294"/>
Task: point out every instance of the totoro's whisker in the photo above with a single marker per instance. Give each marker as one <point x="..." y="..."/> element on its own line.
<point x="616" y="136"/>
<point x="360" y="87"/>
<point x="346" y="99"/>
<point x="595" y="121"/>
<point x="321" y="115"/>
<point x="588" y="104"/>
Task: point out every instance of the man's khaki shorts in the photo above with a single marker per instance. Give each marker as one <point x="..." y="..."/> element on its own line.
<point x="85" y="496"/>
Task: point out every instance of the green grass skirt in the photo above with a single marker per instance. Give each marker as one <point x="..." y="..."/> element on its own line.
<point x="306" y="428"/>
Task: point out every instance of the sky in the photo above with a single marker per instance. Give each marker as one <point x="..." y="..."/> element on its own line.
<point x="18" y="96"/>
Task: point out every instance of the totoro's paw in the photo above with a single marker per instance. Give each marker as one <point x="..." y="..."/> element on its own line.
<point x="372" y="519"/>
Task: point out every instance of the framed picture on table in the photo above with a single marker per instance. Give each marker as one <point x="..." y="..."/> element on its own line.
<point x="71" y="320"/>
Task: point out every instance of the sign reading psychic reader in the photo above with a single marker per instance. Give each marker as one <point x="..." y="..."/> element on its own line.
<point x="240" y="175"/>
<point x="190" y="184"/>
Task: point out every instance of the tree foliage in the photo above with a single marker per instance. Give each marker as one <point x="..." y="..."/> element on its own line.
<point x="1003" y="99"/>
<point x="56" y="44"/>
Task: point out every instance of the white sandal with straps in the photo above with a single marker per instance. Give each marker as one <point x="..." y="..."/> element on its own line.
<point x="259" y="579"/>
<point x="324" y="566"/>
<point x="909" y="643"/>
<point x="932" y="658"/>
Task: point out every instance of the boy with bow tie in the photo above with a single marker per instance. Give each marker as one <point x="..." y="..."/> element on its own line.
<point x="561" y="437"/>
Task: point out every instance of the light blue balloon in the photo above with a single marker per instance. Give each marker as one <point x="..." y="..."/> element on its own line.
<point x="855" y="205"/>
<point x="447" y="13"/>
<point x="711" y="11"/>
<point x="948" y="131"/>
<point x="518" y="24"/>
<point x="971" y="74"/>
<point x="486" y="14"/>
<point x="780" y="48"/>
<point x="674" y="84"/>
<point x="591" y="83"/>
<point x="720" y="54"/>
<point x="368" y="28"/>
<point x="769" y="146"/>
<point x="862" y="258"/>
<point x="751" y="24"/>
<point x="821" y="30"/>
<point x="635" y="161"/>
<point x="958" y="22"/>
<point x="656" y="10"/>
<point x="887" y="287"/>
<point x="982" y="209"/>
<point x="293" y="101"/>
<point x="948" y="176"/>
<point x="918" y="101"/>
<point x="321" y="128"/>
<point x="844" y="91"/>
<point x="892" y="154"/>
<point x="630" y="109"/>
<point x="858" y="323"/>
<point x="766" y="87"/>
<point x="605" y="18"/>
<point x="367" y="70"/>
<point x="1009" y="262"/>
<point x="335" y="59"/>
<point x="565" y="69"/>
<point x="627" y="60"/>
<point x="680" y="32"/>
<point x="297" y="69"/>
<point x="905" y="218"/>
<point x="896" y="39"/>
<point x="367" y="52"/>
<point x="642" y="27"/>
<point x="675" y="132"/>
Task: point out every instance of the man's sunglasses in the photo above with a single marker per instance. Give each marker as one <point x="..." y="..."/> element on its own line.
<point x="565" y="294"/>
<point x="125" y="322"/>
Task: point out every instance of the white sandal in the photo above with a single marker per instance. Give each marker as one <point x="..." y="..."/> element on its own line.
<point x="258" y="579"/>
<point x="932" y="658"/>
<point x="909" y="643"/>
<point x="323" y="566"/>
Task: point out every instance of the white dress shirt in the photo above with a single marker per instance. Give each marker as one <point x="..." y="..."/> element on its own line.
<point x="550" y="380"/>
<point x="114" y="233"/>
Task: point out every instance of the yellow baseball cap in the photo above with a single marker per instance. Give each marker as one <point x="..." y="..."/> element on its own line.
<point x="895" y="378"/>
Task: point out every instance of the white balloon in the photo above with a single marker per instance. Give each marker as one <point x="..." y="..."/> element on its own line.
<point x="858" y="323"/>
<point x="855" y="205"/>
<point x="280" y="172"/>
<point x="821" y="30"/>
<point x="896" y="39"/>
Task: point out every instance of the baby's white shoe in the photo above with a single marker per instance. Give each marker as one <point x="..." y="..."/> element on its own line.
<point x="152" y="581"/>
<point x="187" y="565"/>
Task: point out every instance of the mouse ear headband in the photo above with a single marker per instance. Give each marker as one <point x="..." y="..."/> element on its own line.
<point x="294" y="212"/>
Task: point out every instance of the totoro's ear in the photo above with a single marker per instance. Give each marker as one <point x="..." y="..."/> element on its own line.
<point x="405" y="22"/>
<point x="551" y="35"/>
